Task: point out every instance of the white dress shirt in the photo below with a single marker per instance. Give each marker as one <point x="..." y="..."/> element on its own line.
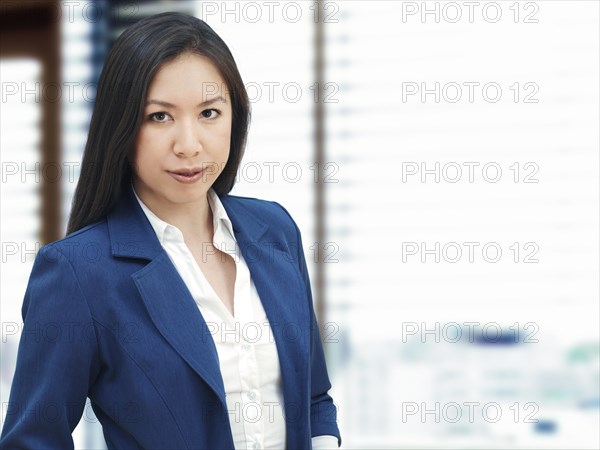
<point x="245" y="345"/>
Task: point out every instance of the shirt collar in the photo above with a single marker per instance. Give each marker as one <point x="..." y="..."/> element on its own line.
<point x="223" y="228"/>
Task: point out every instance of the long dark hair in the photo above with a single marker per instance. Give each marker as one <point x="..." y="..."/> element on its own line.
<point x="130" y="66"/>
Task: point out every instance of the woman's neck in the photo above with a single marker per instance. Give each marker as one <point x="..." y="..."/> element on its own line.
<point x="193" y="219"/>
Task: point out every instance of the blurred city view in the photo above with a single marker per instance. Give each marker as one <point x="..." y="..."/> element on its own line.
<point x="442" y="162"/>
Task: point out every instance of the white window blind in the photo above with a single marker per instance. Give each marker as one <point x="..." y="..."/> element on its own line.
<point x="398" y="65"/>
<point x="20" y="205"/>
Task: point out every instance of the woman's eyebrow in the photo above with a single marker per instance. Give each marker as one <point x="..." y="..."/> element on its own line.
<point x="171" y="105"/>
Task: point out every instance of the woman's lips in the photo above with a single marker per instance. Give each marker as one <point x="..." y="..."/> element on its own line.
<point x="186" y="179"/>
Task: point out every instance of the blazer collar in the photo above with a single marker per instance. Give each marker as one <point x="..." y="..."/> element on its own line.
<point x="132" y="236"/>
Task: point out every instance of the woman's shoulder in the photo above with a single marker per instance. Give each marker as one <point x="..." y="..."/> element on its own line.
<point x="249" y="202"/>
<point x="89" y="238"/>
<point x="268" y="210"/>
<point x="265" y="213"/>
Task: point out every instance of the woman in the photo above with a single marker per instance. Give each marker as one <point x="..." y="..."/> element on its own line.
<point x="184" y="313"/>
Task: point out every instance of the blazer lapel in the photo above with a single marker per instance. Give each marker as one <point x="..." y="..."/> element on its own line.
<point x="282" y="292"/>
<point x="165" y="295"/>
<point x="176" y="315"/>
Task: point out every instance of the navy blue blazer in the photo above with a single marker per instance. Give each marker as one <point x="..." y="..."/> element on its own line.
<point x="107" y="316"/>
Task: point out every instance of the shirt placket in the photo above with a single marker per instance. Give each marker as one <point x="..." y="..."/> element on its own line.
<point x="251" y="406"/>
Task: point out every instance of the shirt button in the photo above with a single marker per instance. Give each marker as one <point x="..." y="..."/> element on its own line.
<point x="252" y="396"/>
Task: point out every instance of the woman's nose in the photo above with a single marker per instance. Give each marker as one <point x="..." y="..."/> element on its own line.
<point x="188" y="141"/>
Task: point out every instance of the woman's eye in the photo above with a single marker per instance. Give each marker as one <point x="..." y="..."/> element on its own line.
<point x="210" y="113"/>
<point x="158" y="116"/>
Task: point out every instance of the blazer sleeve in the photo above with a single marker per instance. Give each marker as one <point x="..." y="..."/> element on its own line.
<point x="56" y="361"/>
<point x="323" y="410"/>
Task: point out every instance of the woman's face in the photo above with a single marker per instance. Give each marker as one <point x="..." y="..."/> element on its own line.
<point x="186" y="128"/>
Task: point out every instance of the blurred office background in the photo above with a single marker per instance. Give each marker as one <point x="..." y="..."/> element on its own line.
<point x="494" y="349"/>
